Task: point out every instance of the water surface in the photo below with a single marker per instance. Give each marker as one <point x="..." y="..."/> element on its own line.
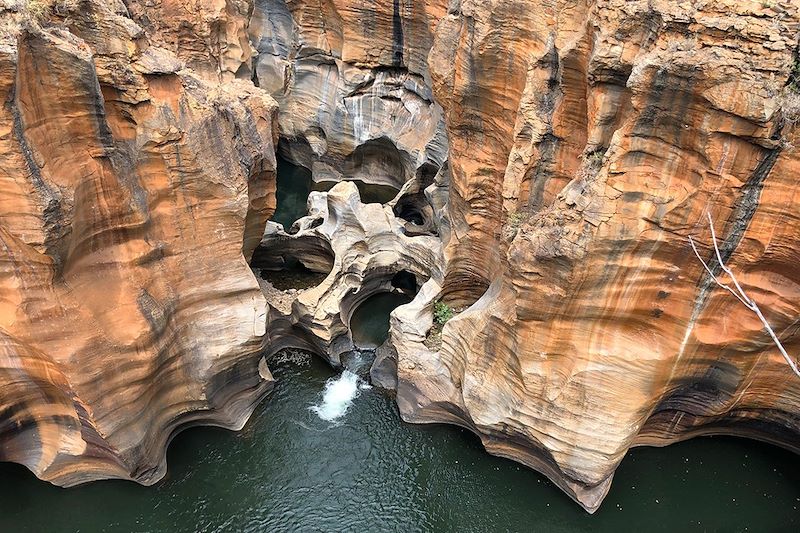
<point x="289" y="470"/>
<point x="294" y="184"/>
<point x="291" y="195"/>
<point x="369" y="324"/>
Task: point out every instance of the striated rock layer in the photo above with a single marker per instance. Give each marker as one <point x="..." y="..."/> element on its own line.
<point x="131" y="192"/>
<point x="353" y="87"/>
<point x="587" y="142"/>
<point x="551" y="160"/>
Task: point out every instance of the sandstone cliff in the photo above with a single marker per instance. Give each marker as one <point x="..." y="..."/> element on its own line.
<point x="551" y="160"/>
<point x="587" y="141"/>
<point x="131" y="192"/>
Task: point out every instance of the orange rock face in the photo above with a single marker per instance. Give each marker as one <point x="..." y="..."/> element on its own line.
<point x="131" y="193"/>
<point x="587" y="142"/>
<point x="563" y="151"/>
<point x="209" y="35"/>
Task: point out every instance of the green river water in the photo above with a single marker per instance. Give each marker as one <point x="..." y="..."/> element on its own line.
<point x="294" y="184"/>
<point x="290" y="470"/>
<point x="327" y="453"/>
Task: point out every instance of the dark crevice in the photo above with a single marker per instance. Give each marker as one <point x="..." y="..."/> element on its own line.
<point x="397" y="35"/>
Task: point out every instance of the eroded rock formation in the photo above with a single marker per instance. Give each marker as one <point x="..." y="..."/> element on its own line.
<point x="353" y="86"/>
<point x="362" y="248"/>
<point x="131" y="192"/>
<point x="587" y="141"/>
<point x="551" y="160"/>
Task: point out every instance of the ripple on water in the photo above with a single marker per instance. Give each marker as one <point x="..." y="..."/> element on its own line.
<point x="289" y="470"/>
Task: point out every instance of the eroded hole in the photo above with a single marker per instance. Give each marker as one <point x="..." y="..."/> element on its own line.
<point x="369" y="324"/>
<point x="406" y="282"/>
<point x="409" y="213"/>
<point x="379" y="161"/>
<point x="294" y="184"/>
<point x="293" y="263"/>
<point x="294" y="276"/>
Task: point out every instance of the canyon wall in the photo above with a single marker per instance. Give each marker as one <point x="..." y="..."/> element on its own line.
<point x="132" y="191"/>
<point x="586" y="143"/>
<point x="561" y="152"/>
<point x="588" y="140"/>
<point x="353" y="87"/>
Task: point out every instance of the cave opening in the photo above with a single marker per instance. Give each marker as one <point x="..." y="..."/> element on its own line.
<point x="369" y="323"/>
<point x="379" y="161"/>
<point x="405" y="282"/>
<point x="293" y="262"/>
<point x="408" y="210"/>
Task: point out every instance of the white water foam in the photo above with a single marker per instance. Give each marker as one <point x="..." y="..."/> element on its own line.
<point x="337" y="396"/>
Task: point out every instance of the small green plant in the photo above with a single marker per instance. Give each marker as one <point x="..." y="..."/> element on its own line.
<point x="442" y="313"/>
<point x="39" y="9"/>
<point x="515" y="219"/>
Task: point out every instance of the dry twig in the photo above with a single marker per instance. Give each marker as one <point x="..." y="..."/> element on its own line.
<point x="739" y="293"/>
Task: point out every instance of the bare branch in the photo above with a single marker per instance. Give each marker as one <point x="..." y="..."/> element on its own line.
<point x="740" y="294"/>
<point x="744" y="298"/>
<point x="777" y="342"/>
<point x="716" y="280"/>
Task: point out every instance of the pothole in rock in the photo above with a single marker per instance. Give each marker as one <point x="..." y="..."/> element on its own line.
<point x="281" y="287"/>
<point x="294" y="277"/>
<point x="369" y="324"/>
<point x="287" y="266"/>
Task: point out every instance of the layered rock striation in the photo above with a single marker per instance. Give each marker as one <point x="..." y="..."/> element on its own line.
<point x="132" y="193"/>
<point x="551" y="160"/>
<point x="588" y="140"/>
<point x="352" y="82"/>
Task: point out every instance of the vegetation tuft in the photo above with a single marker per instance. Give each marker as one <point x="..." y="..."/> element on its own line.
<point x="39" y="10"/>
<point x="515" y="219"/>
<point x="42" y="10"/>
<point x="442" y="313"/>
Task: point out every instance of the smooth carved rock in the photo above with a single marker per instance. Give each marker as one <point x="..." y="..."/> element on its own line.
<point x="362" y="247"/>
<point x="579" y="167"/>
<point x="577" y="145"/>
<point x="132" y="192"/>
<point x="352" y="84"/>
